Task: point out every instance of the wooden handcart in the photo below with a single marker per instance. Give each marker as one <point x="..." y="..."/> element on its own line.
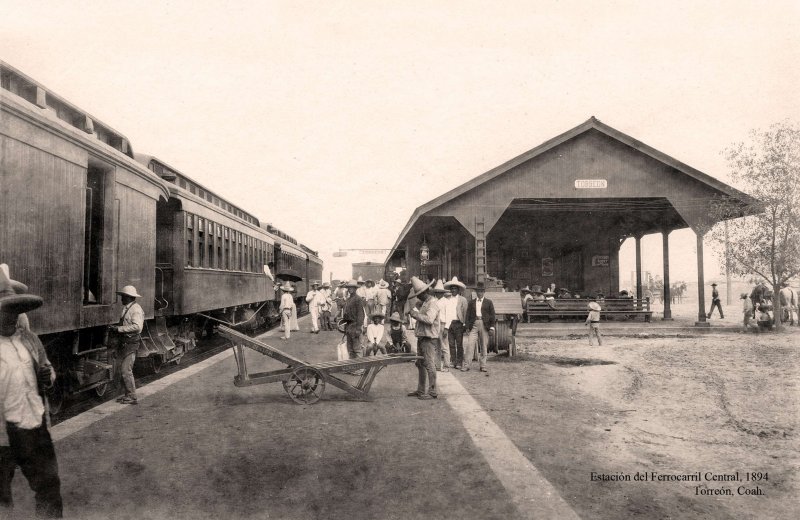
<point x="305" y="382"/>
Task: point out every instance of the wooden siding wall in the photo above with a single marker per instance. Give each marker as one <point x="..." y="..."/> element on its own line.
<point x="206" y="289"/>
<point x="593" y="155"/>
<point x="136" y="247"/>
<point x="42" y="215"/>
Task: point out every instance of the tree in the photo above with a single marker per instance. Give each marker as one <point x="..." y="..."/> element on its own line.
<point x="766" y="244"/>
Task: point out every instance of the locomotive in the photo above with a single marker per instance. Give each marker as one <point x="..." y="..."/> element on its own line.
<point x="81" y="216"/>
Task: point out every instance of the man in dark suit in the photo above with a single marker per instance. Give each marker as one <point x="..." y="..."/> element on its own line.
<point x="480" y="323"/>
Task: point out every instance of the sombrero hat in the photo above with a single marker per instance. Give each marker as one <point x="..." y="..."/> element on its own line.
<point x="351" y="283"/>
<point x="376" y="315"/>
<point x="439" y="287"/>
<point x="455" y="282"/>
<point x="396" y="317"/>
<point x="526" y="289"/>
<point x="360" y="280"/>
<point x="418" y="287"/>
<point x="383" y="284"/>
<point x="594" y="306"/>
<point x="129" y="290"/>
<point x="287" y="287"/>
<point x="13" y="297"/>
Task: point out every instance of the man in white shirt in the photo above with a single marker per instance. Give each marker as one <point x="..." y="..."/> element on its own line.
<point x="129" y="329"/>
<point x="442" y="351"/>
<point x="285" y="308"/>
<point x="313" y="301"/>
<point x="24" y="374"/>
<point x="455" y="311"/>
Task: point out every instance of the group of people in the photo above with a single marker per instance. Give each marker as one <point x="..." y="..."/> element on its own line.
<point x="758" y="306"/>
<point x="448" y="328"/>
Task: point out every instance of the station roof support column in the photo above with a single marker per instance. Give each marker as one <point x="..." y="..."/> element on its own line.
<point x="639" y="266"/>
<point x="701" y="290"/>
<point x="667" y="290"/>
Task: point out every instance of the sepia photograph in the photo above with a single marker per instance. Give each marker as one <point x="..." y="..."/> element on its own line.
<point x="369" y="260"/>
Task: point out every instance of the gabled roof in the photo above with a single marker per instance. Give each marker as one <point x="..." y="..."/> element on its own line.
<point x="591" y="124"/>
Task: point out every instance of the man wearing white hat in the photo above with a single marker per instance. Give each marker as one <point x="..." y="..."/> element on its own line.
<point x="383" y="298"/>
<point x="285" y="308"/>
<point x="130" y="327"/>
<point x="25" y="373"/>
<point x="314" y="300"/>
<point x="455" y="313"/>
<point x="593" y="321"/>
<point x="426" y="312"/>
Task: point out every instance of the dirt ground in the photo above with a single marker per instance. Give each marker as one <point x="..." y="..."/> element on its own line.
<point x="716" y="404"/>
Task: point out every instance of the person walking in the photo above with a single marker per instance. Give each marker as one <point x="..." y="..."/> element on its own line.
<point x="455" y="315"/>
<point x="25" y="373"/>
<point x="480" y="324"/>
<point x="715" y="302"/>
<point x="286" y="309"/>
<point x="426" y="312"/>
<point x="593" y="321"/>
<point x="129" y="331"/>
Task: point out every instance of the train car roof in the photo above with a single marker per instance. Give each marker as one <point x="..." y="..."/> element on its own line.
<point x="28" y="98"/>
<point x="34" y="92"/>
<point x="172" y="175"/>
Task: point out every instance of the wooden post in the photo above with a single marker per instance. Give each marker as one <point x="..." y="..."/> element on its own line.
<point x="638" y="266"/>
<point x="667" y="291"/>
<point x="701" y="290"/>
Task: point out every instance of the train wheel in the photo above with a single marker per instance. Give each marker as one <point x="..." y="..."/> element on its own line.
<point x="55" y="397"/>
<point x="178" y="359"/>
<point x="501" y="336"/>
<point x="155" y="363"/>
<point x="100" y="390"/>
<point x="305" y="386"/>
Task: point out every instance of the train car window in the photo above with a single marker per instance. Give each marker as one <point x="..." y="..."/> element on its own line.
<point x="192" y="189"/>
<point x="189" y="239"/>
<point x="227" y="248"/>
<point x="182" y="183"/>
<point x="201" y="244"/>
<point x="210" y="242"/>
<point x="218" y="241"/>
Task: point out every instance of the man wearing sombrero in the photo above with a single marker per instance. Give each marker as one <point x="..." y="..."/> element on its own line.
<point x="353" y="318"/>
<point x="285" y="309"/>
<point x="455" y="313"/>
<point x="129" y="329"/>
<point x="426" y="312"/>
<point x="25" y="373"/>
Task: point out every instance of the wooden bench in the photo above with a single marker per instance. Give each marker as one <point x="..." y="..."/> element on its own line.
<point x="626" y="308"/>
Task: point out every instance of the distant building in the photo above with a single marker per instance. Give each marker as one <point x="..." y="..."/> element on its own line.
<point x="368" y="270"/>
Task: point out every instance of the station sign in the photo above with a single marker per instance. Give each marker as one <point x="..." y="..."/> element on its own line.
<point x="588" y="184"/>
<point x="600" y="261"/>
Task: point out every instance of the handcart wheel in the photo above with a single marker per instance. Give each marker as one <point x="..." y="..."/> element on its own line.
<point x="305" y="386"/>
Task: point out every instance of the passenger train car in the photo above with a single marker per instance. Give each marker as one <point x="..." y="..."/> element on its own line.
<point x="81" y="216"/>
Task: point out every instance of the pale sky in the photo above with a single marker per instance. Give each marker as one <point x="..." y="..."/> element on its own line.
<point x="335" y="120"/>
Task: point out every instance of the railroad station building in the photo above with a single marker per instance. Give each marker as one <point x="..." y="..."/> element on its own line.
<point x="559" y="214"/>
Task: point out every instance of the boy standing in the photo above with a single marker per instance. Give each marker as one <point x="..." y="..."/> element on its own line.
<point x="593" y="321"/>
